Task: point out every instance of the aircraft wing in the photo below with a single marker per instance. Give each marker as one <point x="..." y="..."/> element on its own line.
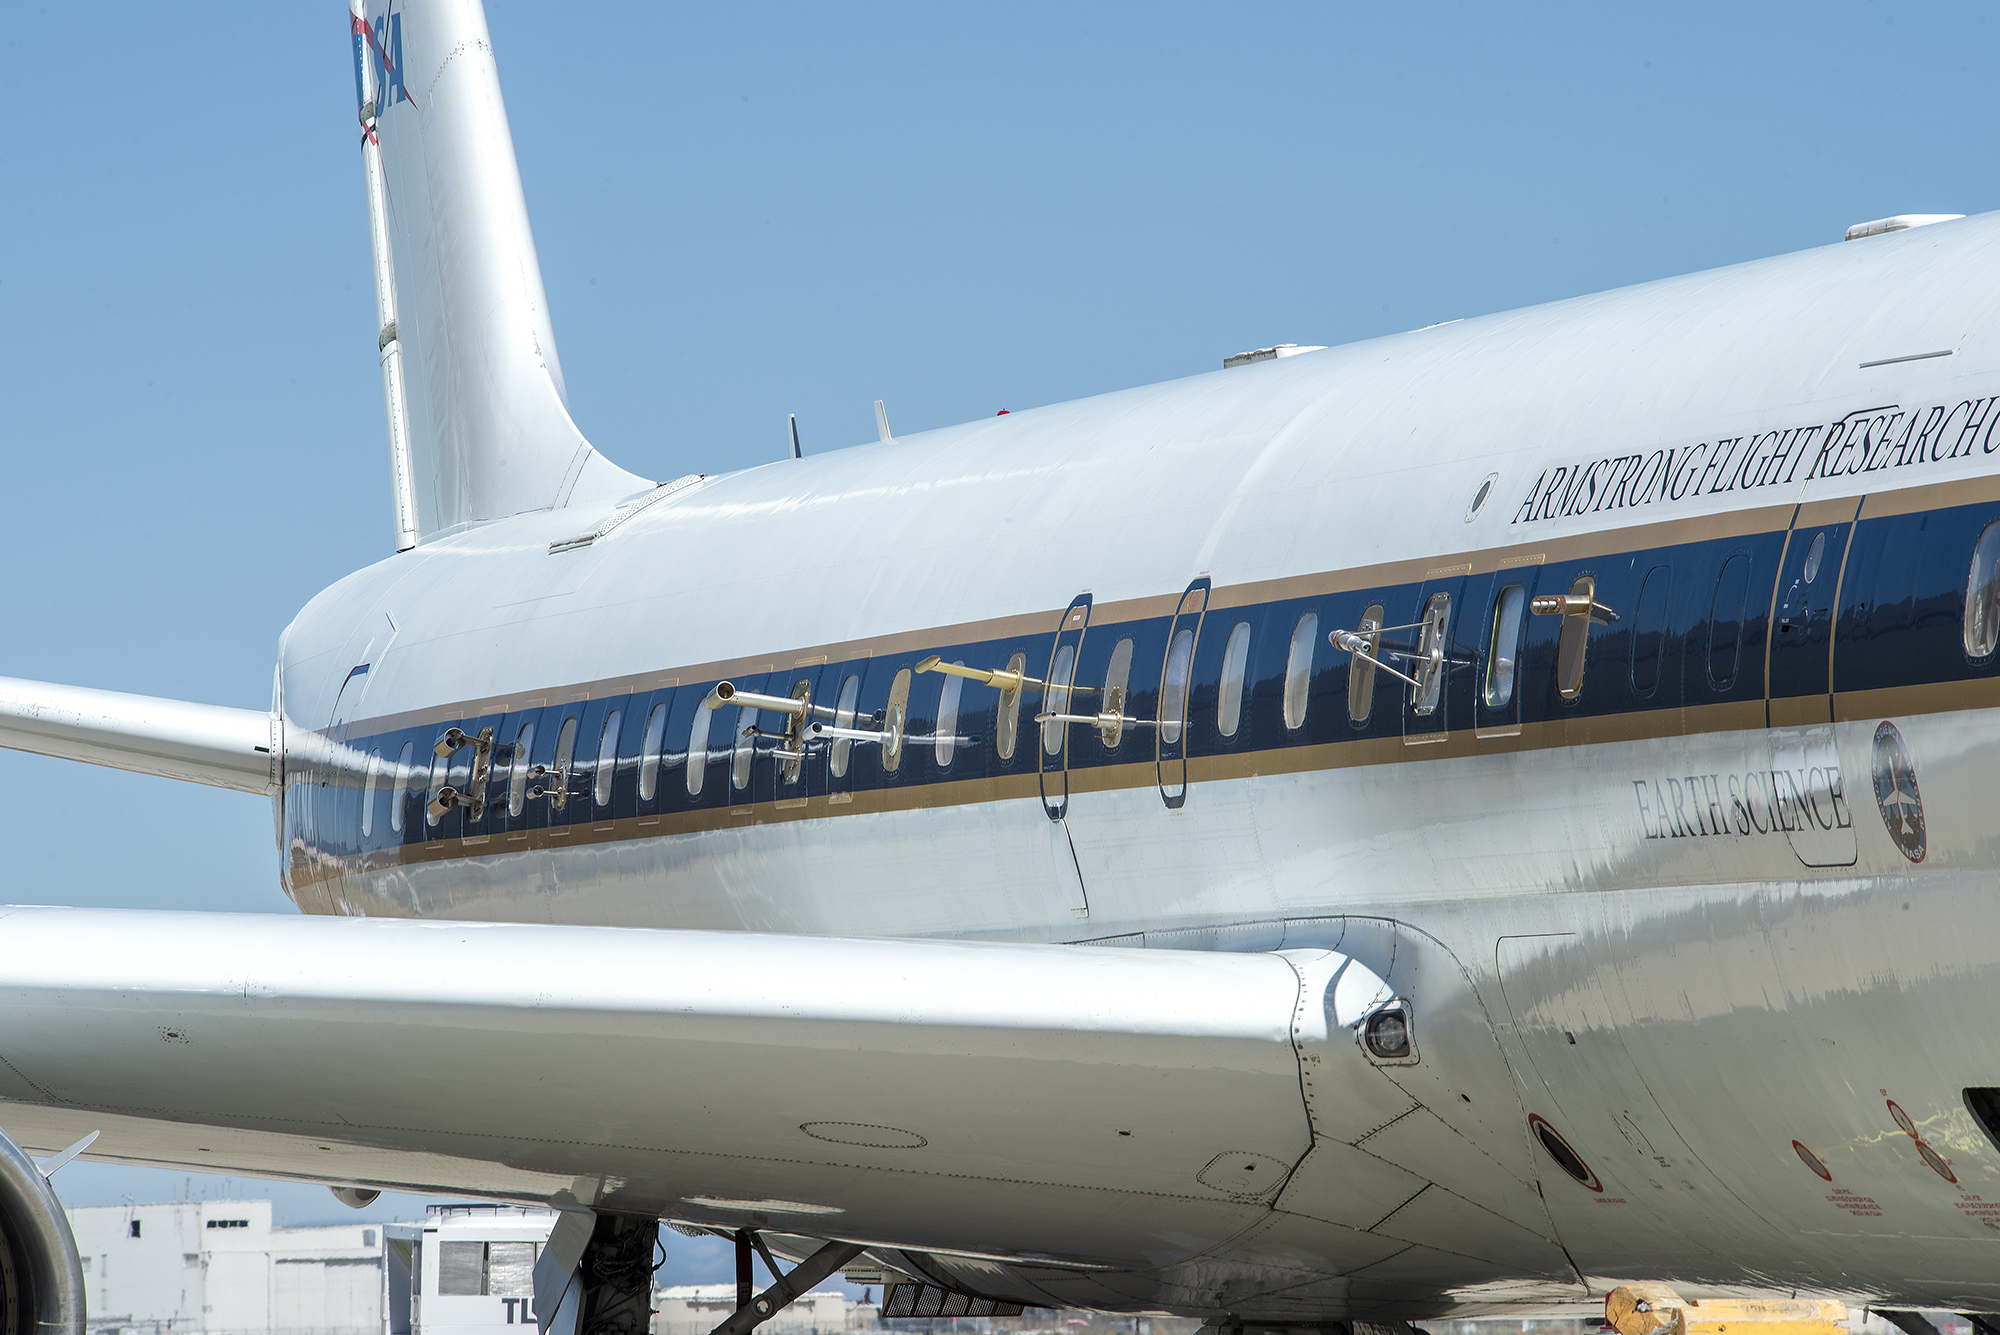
<point x="864" y="1088"/>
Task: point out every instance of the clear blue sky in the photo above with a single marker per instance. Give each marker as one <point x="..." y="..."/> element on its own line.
<point x="746" y="211"/>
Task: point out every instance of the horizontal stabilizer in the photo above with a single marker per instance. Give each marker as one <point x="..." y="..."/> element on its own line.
<point x="211" y="744"/>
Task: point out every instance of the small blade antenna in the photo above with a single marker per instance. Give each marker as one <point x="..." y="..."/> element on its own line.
<point x="797" y="453"/>
<point x="49" y="1165"/>
<point x="882" y="420"/>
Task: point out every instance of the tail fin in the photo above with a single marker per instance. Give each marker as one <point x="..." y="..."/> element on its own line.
<point x="489" y="431"/>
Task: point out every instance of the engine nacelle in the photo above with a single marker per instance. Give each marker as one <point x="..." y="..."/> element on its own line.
<point x="41" y="1278"/>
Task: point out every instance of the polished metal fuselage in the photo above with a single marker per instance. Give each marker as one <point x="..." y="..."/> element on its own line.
<point x="1610" y="930"/>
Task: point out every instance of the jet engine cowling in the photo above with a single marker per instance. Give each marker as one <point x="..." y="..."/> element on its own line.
<point x="41" y="1277"/>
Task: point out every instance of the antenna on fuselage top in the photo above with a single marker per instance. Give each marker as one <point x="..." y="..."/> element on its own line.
<point x="882" y="421"/>
<point x="797" y="453"/>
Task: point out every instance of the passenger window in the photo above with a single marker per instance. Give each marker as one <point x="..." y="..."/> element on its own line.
<point x="1982" y="595"/>
<point x="1298" y="668"/>
<point x="1361" y="671"/>
<point x="947" y="718"/>
<point x="649" y="753"/>
<point x="1174" y="685"/>
<point x="746" y="747"/>
<point x="894" y="717"/>
<point x="368" y="792"/>
<point x="843" y="717"/>
<point x="1056" y="698"/>
<point x="1725" y="621"/>
<point x="1117" y="678"/>
<point x="697" y="761"/>
<point x="565" y="754"/>
<point x="1007" y="725"/>
<point x="607" y="757"/>
<point x="518" y="767"/>
<point x="1504" y="648"/>
<point x="406" y="778"/>
<point x="1574" y="641"/>
<point x="1229" y="695"/>
<point x="1649" y="628"/>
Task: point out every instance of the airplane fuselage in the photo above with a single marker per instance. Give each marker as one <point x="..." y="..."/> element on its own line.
<point x="1692" y="875"/>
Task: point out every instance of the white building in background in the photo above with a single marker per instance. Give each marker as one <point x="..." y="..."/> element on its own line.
<point x="220" y="1268"/>
<point x="697" y="1309"/>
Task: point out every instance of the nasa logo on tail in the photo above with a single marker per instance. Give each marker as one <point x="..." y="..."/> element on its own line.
<point x="1896" y="792"/>
<point x="381" y="45"/>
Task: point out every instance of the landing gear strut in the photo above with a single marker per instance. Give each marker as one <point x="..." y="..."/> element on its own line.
<point x="615" y="1275"/>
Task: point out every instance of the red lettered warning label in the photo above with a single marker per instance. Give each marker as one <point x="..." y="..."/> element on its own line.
<point x="1863" y="1207"/>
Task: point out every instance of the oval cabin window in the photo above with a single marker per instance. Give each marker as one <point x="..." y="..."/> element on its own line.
<point x="649" y="753"/>
<point x="1725" y="621"/>
<point x="947" y="718"/>
<point x="1174" y="683"/>
<point x="746" y="747"/>
<point x="697" y="761"/>
<point x="1057" y="696"/>
<point x="405" y="777"/>
<point x="607" y="757"/>
<point x="1982" y="595"/>
<point x="1229" y="694"/>
<point x="368" y="792"/>
<point x="1505" y="650"/>
<point x="1298" y="668"/>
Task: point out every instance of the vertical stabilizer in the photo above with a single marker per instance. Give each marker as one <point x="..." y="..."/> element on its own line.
<point x="488" y="426"/>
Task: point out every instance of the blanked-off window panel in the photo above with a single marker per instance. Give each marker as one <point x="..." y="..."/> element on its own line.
<point x="565" y="750"/>
<point x="1431" y="664"/>
<point x="843" y="717"/>
<point x="440" y="767"/>
<point x="1360" y="671"/>
<point x="895" y="721"/>
<point x="1117" y="681"/>
<point x="1298" y="668"/>
<point x="1574" y="641"/>
<point x="517" y="774"/>
<point x="1007" y="726"/>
